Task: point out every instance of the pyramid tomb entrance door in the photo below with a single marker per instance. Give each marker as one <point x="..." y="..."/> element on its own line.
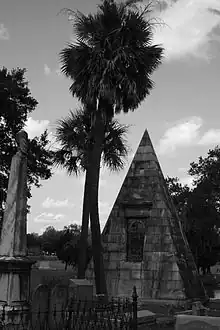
<point x="137" y="215"/>
<point x="135" y="239"/>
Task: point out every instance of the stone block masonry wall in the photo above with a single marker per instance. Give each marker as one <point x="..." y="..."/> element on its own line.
<point x="143" y="241"/>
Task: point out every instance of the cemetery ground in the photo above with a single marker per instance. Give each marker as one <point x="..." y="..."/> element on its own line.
<point x="56" y="274"/>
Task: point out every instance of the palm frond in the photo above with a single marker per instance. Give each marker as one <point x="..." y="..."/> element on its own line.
<point x="73" y="135"/>
<point x="115" y="149"/>
<point x="113" y="57"/>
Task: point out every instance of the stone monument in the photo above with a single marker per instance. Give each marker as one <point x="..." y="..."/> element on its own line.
<point x="15" y="266"/>
<point x="144" y="244"/>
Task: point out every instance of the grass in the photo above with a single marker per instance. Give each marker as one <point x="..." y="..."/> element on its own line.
<point x="58" y="275"/>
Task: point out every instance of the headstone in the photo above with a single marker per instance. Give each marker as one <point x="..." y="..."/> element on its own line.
<point x="192" y="322"/>
<point x="57" y="307"/>
<point x="40" y="306"/>
<point x="44" y="264"/>
<point x="143" y="241"/>
<point x="81" y="289"/>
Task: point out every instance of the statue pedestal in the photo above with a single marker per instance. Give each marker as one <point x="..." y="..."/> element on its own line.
<point x="15" y="291"/>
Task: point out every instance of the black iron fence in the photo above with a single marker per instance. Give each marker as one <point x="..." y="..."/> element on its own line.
<point x="79" y="315"/>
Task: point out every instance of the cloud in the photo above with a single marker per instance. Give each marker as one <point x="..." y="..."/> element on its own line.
<point x="48" y="217"/>
<point x="188" y="28"/>
<point x="58" y="70"/>
<point x="47" y="70"/>
<point x="187" y="133"/>
<point x="4" y="34"/>
<point x="51" y="203"/>
<point x="187" y="180"/>
<point x="35" y="127"/>
<point x="212" y="136"/>
<point x="182" y="134"/>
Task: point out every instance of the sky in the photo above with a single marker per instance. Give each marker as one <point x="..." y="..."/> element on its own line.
<point x="181" y="114"/>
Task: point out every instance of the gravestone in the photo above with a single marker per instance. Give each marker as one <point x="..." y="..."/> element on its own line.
<point x="80" y="290"/>
<point x="15" y="266"/>
<point x="57" y="307"/>
<point x="191" y="322"/>
<point x="143" y="241"/>
<point x="40" y="306"/>
<point x="44" y="264"/>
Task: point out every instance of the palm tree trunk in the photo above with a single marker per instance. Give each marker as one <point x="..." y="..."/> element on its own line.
<point x="94" y="172"/>
<point x="84" y="231"/>
<point x="1" y="216"/>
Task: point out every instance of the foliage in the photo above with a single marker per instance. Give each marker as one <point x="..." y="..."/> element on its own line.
<point x="199" y="208"/>
<point x="74" y="138"/>
<point x="68" y="247"/>
<point x="33" y="240"/>
<point x="16" y="104"/>
<point x="64" y="243"/>
<point x="49" y="239"/>
<point x="113" y="56"/>
<point x="178" y="192"/>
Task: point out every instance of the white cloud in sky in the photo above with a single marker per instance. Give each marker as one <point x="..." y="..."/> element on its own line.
<point x="58" y="70"/>
<point x="35" y="127"/>
<point x="47" y="70"/>
<point x="4" y="34"/>
<point x="48" y="218"/>
<point x="51" y="203"/>
<point x="180" y="135"/>
<point x="187" y="133"/>
<point x="188" y="28"/>
<point x="187" y="180"/>
<point x="210" y="137"/>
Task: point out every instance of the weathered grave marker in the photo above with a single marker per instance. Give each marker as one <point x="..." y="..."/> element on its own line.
<point x="57" y="306"/>
<point x="40" y="306"/>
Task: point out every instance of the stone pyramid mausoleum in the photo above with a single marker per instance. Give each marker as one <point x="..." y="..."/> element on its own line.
<point x="144" y="244"/>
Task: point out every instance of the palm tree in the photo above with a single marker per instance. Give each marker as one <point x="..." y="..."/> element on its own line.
<point x="110" y="65"/>
<point x="73" y="136"/>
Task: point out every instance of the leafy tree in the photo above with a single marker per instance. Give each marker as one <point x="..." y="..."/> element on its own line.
<point x="50" y="239"/>
<point x="199" y="209"/>
<point x="68" y="248"/>
<point x="178" y="192"/>
<point x="110" y="65"/>
<point x="16" y="104"/>
<point x="34" y="243"/>
<point x="33" y="239"/>
<point x="73" y="135"/>
<point x="206" y="173"/>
